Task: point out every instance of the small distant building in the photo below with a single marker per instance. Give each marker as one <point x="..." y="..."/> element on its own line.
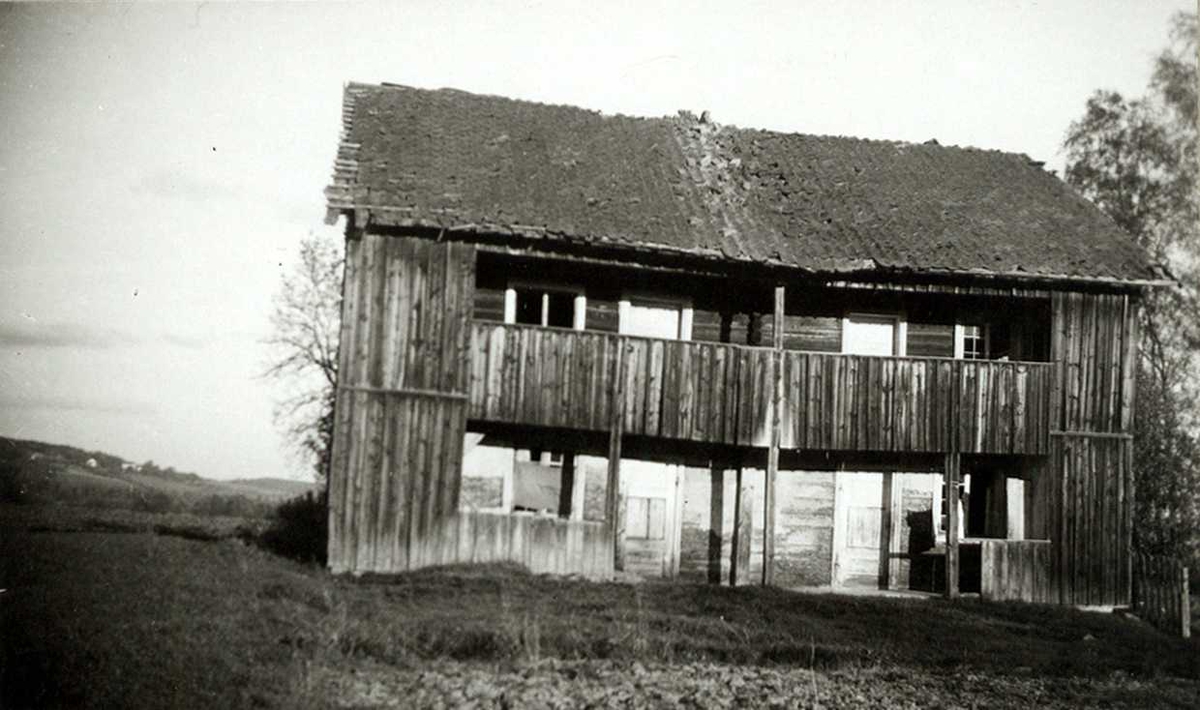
<point x="34" y="456"/>
<point x="91" y="463"/>
<point x="129" y="466"/>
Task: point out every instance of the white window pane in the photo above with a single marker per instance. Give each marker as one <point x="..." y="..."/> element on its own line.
<point x="651" y="321"/>
<point x="870" y="336"/>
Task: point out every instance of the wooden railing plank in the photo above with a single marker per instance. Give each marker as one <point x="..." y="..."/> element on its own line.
<point x="723" y="393"/>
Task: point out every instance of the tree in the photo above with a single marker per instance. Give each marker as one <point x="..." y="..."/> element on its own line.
<point x="1136" y="160"/>
<point x="305" y="324"/>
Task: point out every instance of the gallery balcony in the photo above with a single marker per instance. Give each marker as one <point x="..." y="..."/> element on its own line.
<point x="718" y="393"/>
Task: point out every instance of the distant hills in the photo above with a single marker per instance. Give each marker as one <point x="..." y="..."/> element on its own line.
<point x="61" y="472"/>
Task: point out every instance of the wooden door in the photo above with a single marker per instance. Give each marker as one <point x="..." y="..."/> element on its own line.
<point x="861" y="533"/>
<point x="651" y="523"/>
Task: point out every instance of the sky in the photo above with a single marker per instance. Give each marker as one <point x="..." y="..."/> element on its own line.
<point x="159" y="164"/>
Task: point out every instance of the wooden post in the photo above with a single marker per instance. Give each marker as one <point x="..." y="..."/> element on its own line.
<point x="612" y="497"/>
<point x="676" y="524"/>
<point x="716" y="522"/>
<point x="768" y="529"/>
<point x="768" y="573"/>
<point x="743" y="530"/>
<point x="1185" y="610"/>
<point x="951" y="475"/>
<point x="566" y="487"/>
<point x="619" y="532"/>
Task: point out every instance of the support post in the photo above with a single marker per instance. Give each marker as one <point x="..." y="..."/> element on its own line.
<point x="612" y="493"/>
<point x="768" y="573"/>
<point x="953" y="459"/>
<point x="566" y="486"/>
<point x="1185" y="602"/>
<point x="716" y="521"/>
<point x="743" y="530"/>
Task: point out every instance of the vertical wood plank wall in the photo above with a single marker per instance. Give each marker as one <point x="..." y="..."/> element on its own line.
<point x="413" y="367"/>
<point x="726" y="394"/>
<point x="400" y="417"/>
<point x="1015" y="570"/>
<point x="1094" y="339"/>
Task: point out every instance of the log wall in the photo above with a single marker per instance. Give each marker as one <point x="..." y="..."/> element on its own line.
<point x="723" y="394"/>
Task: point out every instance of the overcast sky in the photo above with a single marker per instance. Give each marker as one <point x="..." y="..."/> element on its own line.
<point x="159" y="164"/>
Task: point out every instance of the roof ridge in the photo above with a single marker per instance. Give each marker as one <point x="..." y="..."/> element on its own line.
<point x="683" y="115"/>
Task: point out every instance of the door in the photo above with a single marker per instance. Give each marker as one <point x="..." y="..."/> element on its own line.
<point x="861" y="532"/>
<point x="651" y="488"/>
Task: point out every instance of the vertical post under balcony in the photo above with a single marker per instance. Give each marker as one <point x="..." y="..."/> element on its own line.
<point x="566" y="488"/>
<point x="612" y="498"/>
<point x="768" y="575"/>
<point x="952" y="475"/>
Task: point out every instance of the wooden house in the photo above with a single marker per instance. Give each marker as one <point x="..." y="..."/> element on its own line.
<point x="596" y="344"/>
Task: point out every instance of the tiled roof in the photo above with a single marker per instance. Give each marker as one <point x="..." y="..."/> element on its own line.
<point x="450" y="159"/>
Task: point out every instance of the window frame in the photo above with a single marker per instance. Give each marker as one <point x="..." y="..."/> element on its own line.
<point x="683" y="304"/>
<point x="579" y="306"/>
<point x="960" y="335"/>
<point x="899" y="320"/>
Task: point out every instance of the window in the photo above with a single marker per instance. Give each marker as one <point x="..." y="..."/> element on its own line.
<point x="971" y="342"/>
<point x="553" y="307"/>
<point x="654" y="318"/>
<point x="872" y="335"/>
<point x="645" y="518"/>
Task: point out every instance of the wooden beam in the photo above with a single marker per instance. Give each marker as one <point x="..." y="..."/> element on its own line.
<point x="768" y="574"/>
<point x="951" y="474"/>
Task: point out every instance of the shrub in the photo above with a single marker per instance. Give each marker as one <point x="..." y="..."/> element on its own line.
<point x="299" y="529"/>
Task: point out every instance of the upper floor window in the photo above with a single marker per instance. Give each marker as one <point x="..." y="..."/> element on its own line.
<point x="872" y="335"/>
<point x="971" y="342"/>
<point x="655" y="318"/>
<point x="536" y="305"/>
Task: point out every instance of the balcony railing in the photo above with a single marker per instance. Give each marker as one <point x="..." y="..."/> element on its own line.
<point x="722" y="393"/>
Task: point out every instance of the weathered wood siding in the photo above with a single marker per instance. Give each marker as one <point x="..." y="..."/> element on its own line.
<point x="1016" y="570"/>
<point x="1094" y="340"/>
<point x="401" y="402"/>
<point x="1160" y="593"/>
<point x="853" y="402"/>
<point x="400" y="418"/>
<point x="720" y="393"/>
<point x="544" y="544"/>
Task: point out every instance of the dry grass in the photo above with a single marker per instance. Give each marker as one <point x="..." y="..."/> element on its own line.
<point x="109" y="620"/>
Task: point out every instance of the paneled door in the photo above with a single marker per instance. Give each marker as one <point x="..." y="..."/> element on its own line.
<point x="861" y="531"/>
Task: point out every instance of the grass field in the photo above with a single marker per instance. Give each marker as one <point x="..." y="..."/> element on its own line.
<point x="97" y="618"/>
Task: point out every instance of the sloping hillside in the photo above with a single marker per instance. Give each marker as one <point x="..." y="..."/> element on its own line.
<point x="57" y="472"/>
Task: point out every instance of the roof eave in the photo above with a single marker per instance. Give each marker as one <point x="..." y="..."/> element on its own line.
<point x="399" y="217"/>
